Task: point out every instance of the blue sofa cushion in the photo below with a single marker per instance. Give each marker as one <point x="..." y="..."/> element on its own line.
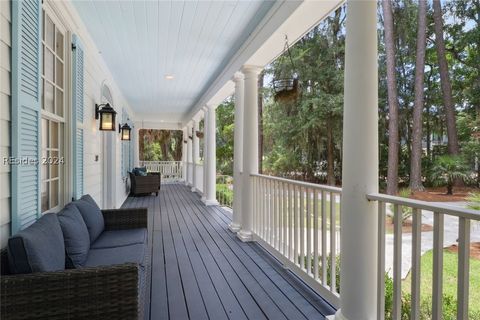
<point x="75" y="233"/>
<point x="110" y="256"/>
<point x="120" y="238"/>
<point x="90" y="200"/>
<point x="92" y="215"/>
<point x="38" y="248"/>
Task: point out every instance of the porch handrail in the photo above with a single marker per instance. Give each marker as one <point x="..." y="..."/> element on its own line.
<point x="170" y="170"/>
<point x="439" y="212"/>
<point x="323" y="187"/>
<point x="424" y="205"/>
<point x="292" y="220"/>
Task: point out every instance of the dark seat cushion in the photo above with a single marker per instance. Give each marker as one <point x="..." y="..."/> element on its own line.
<point x="120" y="238"/>
<point x="38" y="248"/>
<point x="75" y="233"/>
<point x="92" y="215"/>
<point x="110" y="256"/>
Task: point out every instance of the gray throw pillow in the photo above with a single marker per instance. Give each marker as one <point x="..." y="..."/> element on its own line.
<point x="75" y="233"/>
<point x="93" y="217"/>
<point x="38" y="248"/>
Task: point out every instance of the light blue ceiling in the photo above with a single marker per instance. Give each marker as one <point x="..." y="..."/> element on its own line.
<point x="142" y="41"/>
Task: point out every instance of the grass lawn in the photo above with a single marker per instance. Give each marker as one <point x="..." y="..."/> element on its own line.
<point x="449" y="279"/>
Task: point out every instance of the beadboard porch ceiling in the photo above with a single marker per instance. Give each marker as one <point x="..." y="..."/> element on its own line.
<point x="144" y="42"/>
<point x="201" y="43"/>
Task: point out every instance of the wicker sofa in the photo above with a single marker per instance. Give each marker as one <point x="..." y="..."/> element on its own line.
<point x="142" y="185"/>
<point x="111" y="284"/>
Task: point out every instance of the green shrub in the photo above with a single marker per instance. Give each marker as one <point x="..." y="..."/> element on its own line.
<point x="224" y="195"/>
<point x="474" y="200"/>
<point x="447" y="169"/>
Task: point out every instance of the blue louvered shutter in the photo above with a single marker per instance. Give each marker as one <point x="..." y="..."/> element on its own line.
<point x="26" y="98"/>
<point x="77" y="116"/>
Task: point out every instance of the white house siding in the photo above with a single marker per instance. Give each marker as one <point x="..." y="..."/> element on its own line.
<point x="5" y="91"/>
<point x="96" y="73"/>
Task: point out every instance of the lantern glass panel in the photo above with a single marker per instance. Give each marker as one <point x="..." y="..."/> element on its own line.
<point x="106" y="121"/>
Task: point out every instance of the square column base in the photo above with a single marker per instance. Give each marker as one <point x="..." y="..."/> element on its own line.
<point x="234" y="227"/>
<point x="210" y="202"/>
<point x="337" y="316"/>
<point x="245" y="236"/>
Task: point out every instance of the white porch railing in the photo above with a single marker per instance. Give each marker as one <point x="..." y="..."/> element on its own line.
<point x="299" y="223"/>
<point x="439" y="213"/>
<point x="171" y="171"/>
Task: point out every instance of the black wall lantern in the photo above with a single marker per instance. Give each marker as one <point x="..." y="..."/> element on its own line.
<point x="125" y="132"/>
<point x="106" y="114"/>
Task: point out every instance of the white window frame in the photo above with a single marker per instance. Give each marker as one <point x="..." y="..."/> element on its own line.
<point x="65" y="143"/>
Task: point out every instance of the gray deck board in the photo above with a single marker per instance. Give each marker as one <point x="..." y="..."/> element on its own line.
<point x="200" y="270"/>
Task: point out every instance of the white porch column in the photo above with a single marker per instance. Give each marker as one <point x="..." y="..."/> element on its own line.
<point x="236" y="224"/>
<point x="136" y="148"/>
<point x="195" y="155"/>
<point x="189" y="155"/>
<point x="205" y="153"/>
<point x="184" y="156"/>
<point x="250" y="148"/>
<point x="211" y="176"/>
<point x="360" y="165"/>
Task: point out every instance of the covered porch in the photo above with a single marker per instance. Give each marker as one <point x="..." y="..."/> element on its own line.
<point x="200" y="270"/>
<point x="287" y="249"/>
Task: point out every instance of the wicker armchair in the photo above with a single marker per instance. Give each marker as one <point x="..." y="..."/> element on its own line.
<point x="106" y="292"/>
<point x="140" y="185"/>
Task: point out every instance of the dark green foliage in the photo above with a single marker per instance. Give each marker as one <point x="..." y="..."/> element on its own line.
<point x="448" y="169"/>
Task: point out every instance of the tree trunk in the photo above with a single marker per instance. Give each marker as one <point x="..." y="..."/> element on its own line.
<point x="453" y="147"/>
<point x="260" y="121"/>
<point x="393" y="140"/>
<point x="417" y="134"/>
<point x="330" y="155"/>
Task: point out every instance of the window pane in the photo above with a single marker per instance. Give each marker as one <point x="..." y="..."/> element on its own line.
<point x="48" y="66"/>
<point x="44" y="133"/>
<point x="54" y="193"/>
<point x="44" y="165"/>
<point x="59" y="44"/>
<point x="53" y="160"/>
<point x="59" y="102"/>
<point x="54" y="135"/>
<point x="59" y="78"/>
<point x="45" y="202"/>
<point x="49" y="32"/>
<point x="48" y="96"/>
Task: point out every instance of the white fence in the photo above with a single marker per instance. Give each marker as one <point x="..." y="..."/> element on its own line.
<point x="417" y="209"/>
<point x="299" y="223"/>
<point x="171" y="171"/>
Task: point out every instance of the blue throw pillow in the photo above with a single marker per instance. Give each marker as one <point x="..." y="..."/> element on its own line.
<point x="93" y="217"/>
<point x="38" y="248"/>
<point x="90" y="200"/>
<point x="75" y="233"/>
<point x="140" y="171"/>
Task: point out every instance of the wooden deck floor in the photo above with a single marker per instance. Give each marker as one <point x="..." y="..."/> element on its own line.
<point x="202" y="271"/>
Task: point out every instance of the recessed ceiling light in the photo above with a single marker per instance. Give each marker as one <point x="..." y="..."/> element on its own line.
<point x="169" y="76"/>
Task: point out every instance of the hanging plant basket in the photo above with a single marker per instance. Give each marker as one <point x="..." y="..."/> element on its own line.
<point x="286" y="90"/>
<point x="199" y="134"/>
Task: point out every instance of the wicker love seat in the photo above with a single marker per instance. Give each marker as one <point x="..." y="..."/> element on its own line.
<point x="80" y="263"/>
